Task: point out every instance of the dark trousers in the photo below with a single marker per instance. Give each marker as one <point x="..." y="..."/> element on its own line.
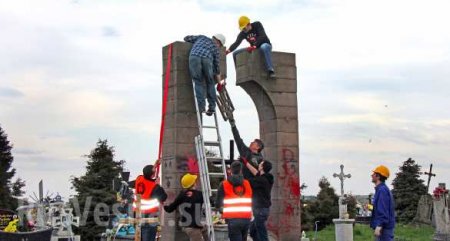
<point x="258" y="230"/>
<point x="386" y="235"/>
<point x="238" y="229"/>
<point x="201" y="70"/>
<point x="148" y="232"/>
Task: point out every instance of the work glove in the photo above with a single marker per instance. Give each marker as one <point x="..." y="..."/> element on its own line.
<point x="251" y="48"/>
<point x="244" y="160"/>
<point x="377" y="231"/>
<point x="232" y="122"/>
<point x="221" y="85"/>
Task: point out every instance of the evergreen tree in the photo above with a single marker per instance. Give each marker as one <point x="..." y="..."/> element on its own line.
<point x="8" y="189"/>
<point x="326" y="206"/>
<point x="94" y="189"/>
<point x="408" y="188"/>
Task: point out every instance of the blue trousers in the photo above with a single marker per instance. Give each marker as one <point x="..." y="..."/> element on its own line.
<point x="148" y="232"/>
<point x="201" y="70"/>
<point x="258" y="230"/>
<point x="238" y="229"/>
<point x="266" y="49"/>
<point x="386" y="235"/>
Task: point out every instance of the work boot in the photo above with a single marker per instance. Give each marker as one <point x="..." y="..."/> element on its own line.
<point x="210" y="112"/>
<point x="272" y="75"/>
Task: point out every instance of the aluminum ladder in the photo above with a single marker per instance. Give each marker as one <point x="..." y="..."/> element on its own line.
<point x="207" y="162"/>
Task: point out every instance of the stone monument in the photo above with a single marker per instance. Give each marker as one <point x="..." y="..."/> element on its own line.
<point x="441" y="213"/>
<point x="343" y="225"/>
<point x="277" y="107"/>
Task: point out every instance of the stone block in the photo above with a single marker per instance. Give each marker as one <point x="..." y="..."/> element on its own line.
<point x="282" y="125"/>
<point x="186" y="119"/>
<point x="283" y="59"/>
<point x="283" y="99"/>
<point x="281" y="85"/>
<point x="287" y="112"/>
<point x="182" y="105"/>
<point x="281" y="138"/>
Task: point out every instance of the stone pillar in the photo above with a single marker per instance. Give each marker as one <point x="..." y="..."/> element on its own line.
<point x="181" y="126"/>
<point x="276" y="103"/>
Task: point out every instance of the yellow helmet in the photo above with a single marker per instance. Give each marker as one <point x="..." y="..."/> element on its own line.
<point x="382" y="170"/>
<point x="188" y="180"/>
<point x="243" y="21"/>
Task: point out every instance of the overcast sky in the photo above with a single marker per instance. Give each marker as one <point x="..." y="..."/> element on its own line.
<point x="374" y="81"/>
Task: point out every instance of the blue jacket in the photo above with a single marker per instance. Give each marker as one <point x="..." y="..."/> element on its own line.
<point x="383" y="213"/>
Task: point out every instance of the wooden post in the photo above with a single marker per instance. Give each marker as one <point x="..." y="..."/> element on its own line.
<point x="137" y="236"/>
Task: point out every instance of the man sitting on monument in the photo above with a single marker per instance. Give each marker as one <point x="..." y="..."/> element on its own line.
<point x="256" y="36"/>
<point x="250" y="153"/>
<point x="204" y="61"/>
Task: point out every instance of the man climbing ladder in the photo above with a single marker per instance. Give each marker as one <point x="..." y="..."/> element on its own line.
<point x="204" y="65"/>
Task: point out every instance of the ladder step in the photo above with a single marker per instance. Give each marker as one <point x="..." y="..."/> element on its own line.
<point x="217" y="174"/>
<point x="214" y="160"/>
<point x="209" y="127"/>
<point x="212" y="143"/>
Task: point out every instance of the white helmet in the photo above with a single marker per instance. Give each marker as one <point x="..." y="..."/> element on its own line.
<point x="220" y="37"/>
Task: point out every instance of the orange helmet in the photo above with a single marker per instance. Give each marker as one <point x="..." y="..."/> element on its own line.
<point x="382" y="170"/>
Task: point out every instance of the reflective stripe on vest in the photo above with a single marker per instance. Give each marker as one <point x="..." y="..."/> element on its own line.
<point x="145" y="188"/>
<point x="148" y="205"/>
<point x="235" y="205"/>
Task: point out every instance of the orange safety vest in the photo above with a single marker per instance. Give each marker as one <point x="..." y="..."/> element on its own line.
<point x="145" y="188"/>
<point x="237" y="205"/>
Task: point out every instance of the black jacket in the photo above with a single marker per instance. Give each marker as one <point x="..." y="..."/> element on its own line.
<point x="261" y="187"/>
<point x="190" y="203"/>
<point x="244" y="151"/>
<point x="256" y="33"/>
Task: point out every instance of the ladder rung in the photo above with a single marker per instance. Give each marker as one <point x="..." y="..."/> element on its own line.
<point x="210" y="127"/>
<point x="212" y="143"/>
<point x="213" y="190"/>
<point x="216" y="174"/>
<point x="214" y="160"/>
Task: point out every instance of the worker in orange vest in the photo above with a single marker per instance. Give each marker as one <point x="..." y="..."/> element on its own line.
<point x="152" y="196"/>
<point x="234" y="200"/>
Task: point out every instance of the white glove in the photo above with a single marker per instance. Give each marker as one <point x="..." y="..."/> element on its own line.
<point x="377" y="231"/>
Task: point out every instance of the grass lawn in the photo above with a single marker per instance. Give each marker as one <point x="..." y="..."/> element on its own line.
<point x="365" y="233"/>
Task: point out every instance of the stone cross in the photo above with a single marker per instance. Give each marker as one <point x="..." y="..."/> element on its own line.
<point x="341" y="177"/>
<point x="429" y="174"/>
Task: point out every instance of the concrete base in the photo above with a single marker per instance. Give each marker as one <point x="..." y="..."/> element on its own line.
<point x="344" y="229"/>
<point x="66" y="238"/>
<point x="441" y="237"/>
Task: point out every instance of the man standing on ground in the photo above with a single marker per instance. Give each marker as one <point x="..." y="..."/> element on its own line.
<point x="261" y="200"/>
<point x="190" y="202"/>
<point x="383" y="214"/>
<point x="235" y="196"/>
<point x="250" y="153"/>
<point x="204" y="61"/>
<point x="152" y="196"/>
<point x="257" y="38"/>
